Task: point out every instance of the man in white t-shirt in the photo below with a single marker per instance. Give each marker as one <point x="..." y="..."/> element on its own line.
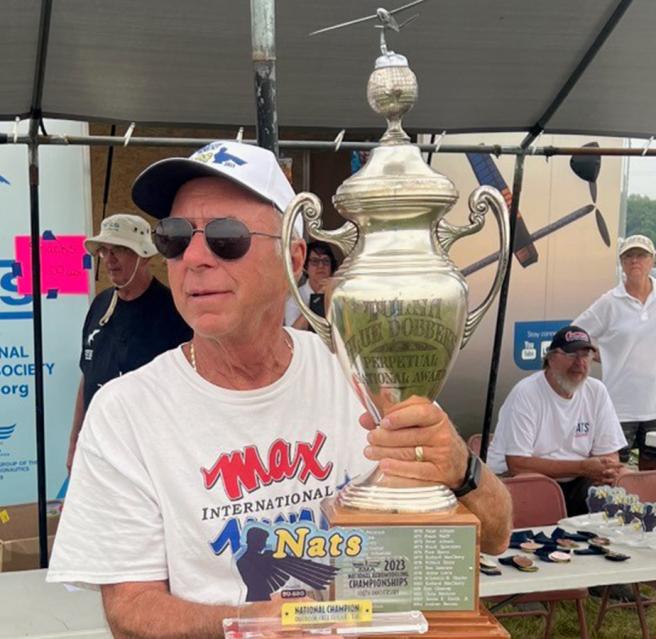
<point x="248" y="421"/>
<point x="623" y="324"/>
<point x="561" y="423"/>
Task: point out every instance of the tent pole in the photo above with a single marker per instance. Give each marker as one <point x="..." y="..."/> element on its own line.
<point x="37" y="328"/>
<point x="263" y="37"/>
<point x="501" y="310"/>
<point x="35" y="237"/>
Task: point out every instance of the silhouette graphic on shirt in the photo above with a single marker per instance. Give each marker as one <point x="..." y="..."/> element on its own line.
<point x="265" y="574"/>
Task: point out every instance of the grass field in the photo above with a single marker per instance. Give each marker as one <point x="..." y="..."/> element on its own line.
<point x="620" y="623"/>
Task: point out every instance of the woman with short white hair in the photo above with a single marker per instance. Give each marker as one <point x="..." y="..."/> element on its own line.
<point x="623" y="323"/>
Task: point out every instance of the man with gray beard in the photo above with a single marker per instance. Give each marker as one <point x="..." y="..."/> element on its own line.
<point x="561" y="423"/>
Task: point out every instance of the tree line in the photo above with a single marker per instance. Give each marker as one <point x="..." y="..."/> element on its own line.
<point x="641" y="216"/>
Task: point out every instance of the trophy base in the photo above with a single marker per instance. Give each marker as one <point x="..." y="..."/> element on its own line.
<point x="480" y="624"/>
<point x="475" y="622"/>
<point x="377" y="491"/>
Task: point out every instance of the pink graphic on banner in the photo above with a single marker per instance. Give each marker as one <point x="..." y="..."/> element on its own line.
<point x="63" y="269"/>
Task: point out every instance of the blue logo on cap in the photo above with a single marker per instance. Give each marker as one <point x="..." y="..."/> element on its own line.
<point x="223" y="157"/>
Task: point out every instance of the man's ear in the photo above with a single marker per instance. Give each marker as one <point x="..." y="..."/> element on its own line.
<point x="298" y="251"/>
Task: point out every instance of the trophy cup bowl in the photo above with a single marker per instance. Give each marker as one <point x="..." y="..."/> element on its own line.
<point x="397" y="309"/>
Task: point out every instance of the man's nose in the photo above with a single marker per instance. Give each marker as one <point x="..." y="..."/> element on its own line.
<point x="197" y="251"/>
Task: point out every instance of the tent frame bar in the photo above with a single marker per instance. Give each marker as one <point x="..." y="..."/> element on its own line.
<point x="580" y="69"/>
<point x="324" y="145"/>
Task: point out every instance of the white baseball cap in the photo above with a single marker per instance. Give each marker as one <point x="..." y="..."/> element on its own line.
<point x="637" y="241"/>
<point x="126" y="230"/>
<point x="254" y="168"/>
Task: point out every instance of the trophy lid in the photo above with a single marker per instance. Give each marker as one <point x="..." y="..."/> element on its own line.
<point x="395" y="173"/>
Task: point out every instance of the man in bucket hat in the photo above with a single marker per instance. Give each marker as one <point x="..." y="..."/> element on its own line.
<point x="128" y="324"/>
<point x="561" y="423"/>
<point x="250" y="422"/>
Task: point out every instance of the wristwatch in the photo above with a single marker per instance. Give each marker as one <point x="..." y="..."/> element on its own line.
<point x="472" y="476"/>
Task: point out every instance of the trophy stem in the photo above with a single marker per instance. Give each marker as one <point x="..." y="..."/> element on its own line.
<point x="377" y="491"/>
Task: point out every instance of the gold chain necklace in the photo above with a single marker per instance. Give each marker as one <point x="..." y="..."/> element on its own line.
<point x="192" y="350"/>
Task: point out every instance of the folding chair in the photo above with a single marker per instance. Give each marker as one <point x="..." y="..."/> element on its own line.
<point x="643" y="484"/>
<point x="474" y="443"/>
<point x="538" y="501"/>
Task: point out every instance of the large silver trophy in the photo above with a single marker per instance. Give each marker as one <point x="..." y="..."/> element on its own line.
<point x="397" y="310"/>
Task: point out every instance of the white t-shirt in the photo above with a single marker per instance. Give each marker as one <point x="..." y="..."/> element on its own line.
<point x="535" y="421"/>
<point x="292" y="311"/>
<point x="169" y="467"/>
<point x="625" y="331"/>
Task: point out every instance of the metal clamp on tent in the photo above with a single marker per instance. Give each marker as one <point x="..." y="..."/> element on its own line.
<point x="338" y="139"/>
<point x="438" y="143"/>
<point x="128" y="134"/>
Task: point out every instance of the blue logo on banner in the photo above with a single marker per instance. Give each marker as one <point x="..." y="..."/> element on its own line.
<point x="6" y="432"/>
<point x="4" y="180"/>
<point x="9" y="271"/>
<point x="532" y="340"/>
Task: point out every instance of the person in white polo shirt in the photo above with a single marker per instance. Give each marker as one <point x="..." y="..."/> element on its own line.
<point x="623" y="324"/>
<point x="561" y="423"/>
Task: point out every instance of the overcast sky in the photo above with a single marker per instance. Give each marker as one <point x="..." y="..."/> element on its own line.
<point x="642" y="173"/>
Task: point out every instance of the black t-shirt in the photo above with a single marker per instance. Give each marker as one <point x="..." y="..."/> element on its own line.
<point x="137" y="332"/>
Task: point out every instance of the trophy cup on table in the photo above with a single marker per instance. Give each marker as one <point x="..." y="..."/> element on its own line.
<point x="396" y="316"/>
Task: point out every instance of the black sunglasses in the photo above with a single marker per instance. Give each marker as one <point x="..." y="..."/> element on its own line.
<point x="226" y="237"/>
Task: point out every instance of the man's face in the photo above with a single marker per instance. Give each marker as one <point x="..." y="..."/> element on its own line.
<point x="637" y="263"/>
<point x="318" y="270"/>
<point x="120" y="262"/>
<point x="218" y="297"/>
<point x="570" y="370"/>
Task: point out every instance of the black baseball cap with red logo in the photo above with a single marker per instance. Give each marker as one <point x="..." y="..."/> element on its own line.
<point x="571" y="339"/>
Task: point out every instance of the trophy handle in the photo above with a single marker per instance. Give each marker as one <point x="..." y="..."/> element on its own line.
<point x="448" y="233"/>
<point x="345" y="237"/>
<point x="310" y="206"/>
<point x="482" y="199"/>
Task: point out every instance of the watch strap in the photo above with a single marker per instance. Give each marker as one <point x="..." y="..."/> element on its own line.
<point x="472" y="476"/>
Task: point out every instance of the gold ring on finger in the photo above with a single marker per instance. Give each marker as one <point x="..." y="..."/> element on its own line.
<point x="419" y="453"/>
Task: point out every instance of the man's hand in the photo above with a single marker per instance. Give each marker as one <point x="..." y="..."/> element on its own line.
<point x="147" y="610"/>
<point x="602" y="470"/>
<point x="417" y="422"/>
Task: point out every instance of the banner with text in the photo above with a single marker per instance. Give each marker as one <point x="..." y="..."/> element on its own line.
<point x="65" y="219"/>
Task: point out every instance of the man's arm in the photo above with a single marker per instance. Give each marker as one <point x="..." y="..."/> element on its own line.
<point x="419" y="422"/>
<point x="78" y="418"/>
<point x="602" y="469"/>
<point x="492" y="504"/>
<point x="147" y="610"/>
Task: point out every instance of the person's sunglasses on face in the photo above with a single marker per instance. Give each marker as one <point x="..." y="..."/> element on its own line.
<point x="635" y="254"/>
<point x="319" y="261"/>
<point x="584" y="354"/>
<point x="228" y="238"/>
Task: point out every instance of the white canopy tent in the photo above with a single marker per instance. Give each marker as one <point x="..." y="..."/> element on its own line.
<point x="482" y="65"/>
<point x="552" y="66"/>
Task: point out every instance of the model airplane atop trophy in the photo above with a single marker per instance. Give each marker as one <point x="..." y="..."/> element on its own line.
<point x="386" y="19"/>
